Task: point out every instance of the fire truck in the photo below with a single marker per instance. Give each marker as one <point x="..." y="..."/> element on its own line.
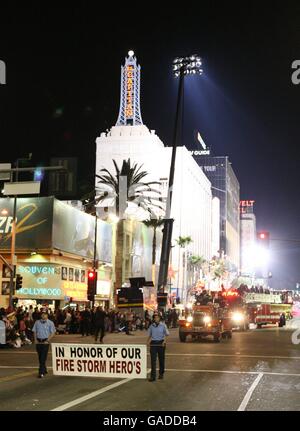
<point x="237" y="309"/>
<point x="266" y="308"/>
<point x="258" y="306"/>
<point x="206" y="320"/>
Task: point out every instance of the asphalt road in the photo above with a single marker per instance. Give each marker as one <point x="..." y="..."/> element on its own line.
<point x="257" y="370"/>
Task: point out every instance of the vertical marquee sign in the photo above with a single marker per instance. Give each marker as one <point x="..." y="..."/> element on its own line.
<point x="129" y="91"/>
<point x="130" y="110"/>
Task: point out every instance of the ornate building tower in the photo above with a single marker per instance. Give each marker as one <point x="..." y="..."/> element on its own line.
<point x="130" y="111"/>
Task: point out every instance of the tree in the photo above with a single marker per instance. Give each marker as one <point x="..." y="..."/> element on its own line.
<point x="195" y="270"/>
<point x="183" y="242"/>
<point x="154" y="224"/>
<point x="218" y="269"/>
<point x="136" y="191"/>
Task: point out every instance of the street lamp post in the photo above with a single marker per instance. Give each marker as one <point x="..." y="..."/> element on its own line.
<point x="182" y="66"/>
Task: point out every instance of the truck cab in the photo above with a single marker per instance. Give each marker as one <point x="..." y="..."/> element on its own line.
<point x="206" y="320"/>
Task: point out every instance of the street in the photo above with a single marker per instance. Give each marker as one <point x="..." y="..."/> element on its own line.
<point x="257" y="370"/>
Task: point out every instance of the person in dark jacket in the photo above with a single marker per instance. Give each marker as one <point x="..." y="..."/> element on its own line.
<point x="85" y="321"/>
<point x="99" y="321"/>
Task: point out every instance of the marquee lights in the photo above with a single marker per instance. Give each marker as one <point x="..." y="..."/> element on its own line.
<point x="129" y="90"/>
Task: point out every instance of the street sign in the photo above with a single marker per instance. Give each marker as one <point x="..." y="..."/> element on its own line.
<point x="92" y="360"/>
<point x="22" y="188"/>
<point x="2" y="332"/>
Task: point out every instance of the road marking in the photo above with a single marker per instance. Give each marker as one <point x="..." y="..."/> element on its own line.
<point x="200" y="354"/>
<point x="89" y="396"/>
<point x="92" y="395"/>
<point x="232" y="372"/>
<point x="248" y="395"/>
<point x="232" y="355"/>
<point x="179" y="370"/>
<point x="17" y="376"/>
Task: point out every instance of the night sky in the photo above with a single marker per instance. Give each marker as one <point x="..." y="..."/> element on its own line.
<point x="62" y="91"/>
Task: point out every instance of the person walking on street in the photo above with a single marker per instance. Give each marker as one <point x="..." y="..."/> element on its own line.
<point x="85" y="322"/>
<point x="128" y="322"/>
<point x="99" y="320"/>
<point x="43" y="330"/>
<point x="157" y="341"/>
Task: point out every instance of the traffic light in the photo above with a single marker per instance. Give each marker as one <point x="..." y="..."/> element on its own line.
<point x="92" y="282"/>
<point x="263" y="238"/>
<point x="19" y="281"/>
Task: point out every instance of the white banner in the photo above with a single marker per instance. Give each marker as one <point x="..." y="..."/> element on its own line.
<point x="94" y="360"/>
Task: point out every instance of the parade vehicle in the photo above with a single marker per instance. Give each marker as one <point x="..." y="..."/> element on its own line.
<point x="237" y="309"/>
<point x="261" y="307"/>
<point x="206" y="320"/>
<point x="140" y="296"/>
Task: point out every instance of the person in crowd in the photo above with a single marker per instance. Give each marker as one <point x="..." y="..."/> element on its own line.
<point x="147" y="319"/>
<point x="128" y="322"/>
<point x="67" y="320"/>
<point x="100" y="316"/>
<point x="86" y="318"/>
<point x="174" y="318"/>
<point x="36" y="315"/>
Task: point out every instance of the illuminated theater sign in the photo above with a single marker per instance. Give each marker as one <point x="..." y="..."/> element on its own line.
<point x="40" y="281"/>
<point x="130" y="110"/>
<point x="246" y="207"/>
<point x="129" y="91"/>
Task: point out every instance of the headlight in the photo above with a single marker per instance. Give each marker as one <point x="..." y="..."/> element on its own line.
<point x="206" y="319"/>
<point x="189" y="319"/>
<point x="237" y="317"/>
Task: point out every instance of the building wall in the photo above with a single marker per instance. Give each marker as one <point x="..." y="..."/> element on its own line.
<point x="232" y="216"/>
<point x="215" y="226"/>
<point x="248" y="240"/>
<point x="225" y="186"/>
<point x="192" y="215"/>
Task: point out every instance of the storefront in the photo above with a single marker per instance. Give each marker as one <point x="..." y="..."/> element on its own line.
<point x="55" y="249"/>
<point x="102" y="297"/>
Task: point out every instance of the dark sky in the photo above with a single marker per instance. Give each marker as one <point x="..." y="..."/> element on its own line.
<point x="245" y="105"/>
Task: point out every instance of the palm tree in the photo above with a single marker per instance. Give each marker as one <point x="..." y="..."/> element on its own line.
<point x="136" y="189"/>
<point x="218" y="269"/>
<point x="183" y="241"/>
<point x="196" y="264"/>
<point x="136" y="192"/>
<point x="154" y="224"/>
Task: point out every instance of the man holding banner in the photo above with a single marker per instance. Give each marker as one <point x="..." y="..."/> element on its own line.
<point x="43" y="330"/>
<point x="157" y="341"/>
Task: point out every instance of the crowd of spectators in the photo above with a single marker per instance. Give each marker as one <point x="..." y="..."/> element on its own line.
<point x="19" y="322"/>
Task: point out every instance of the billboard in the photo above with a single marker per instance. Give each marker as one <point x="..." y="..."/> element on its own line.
<point x="74" y="232"/>
<point x="33" y="223"/>
<point x="46" y="223"/>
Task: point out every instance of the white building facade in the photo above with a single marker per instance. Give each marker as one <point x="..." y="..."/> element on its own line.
<point x="193" y="209"/>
